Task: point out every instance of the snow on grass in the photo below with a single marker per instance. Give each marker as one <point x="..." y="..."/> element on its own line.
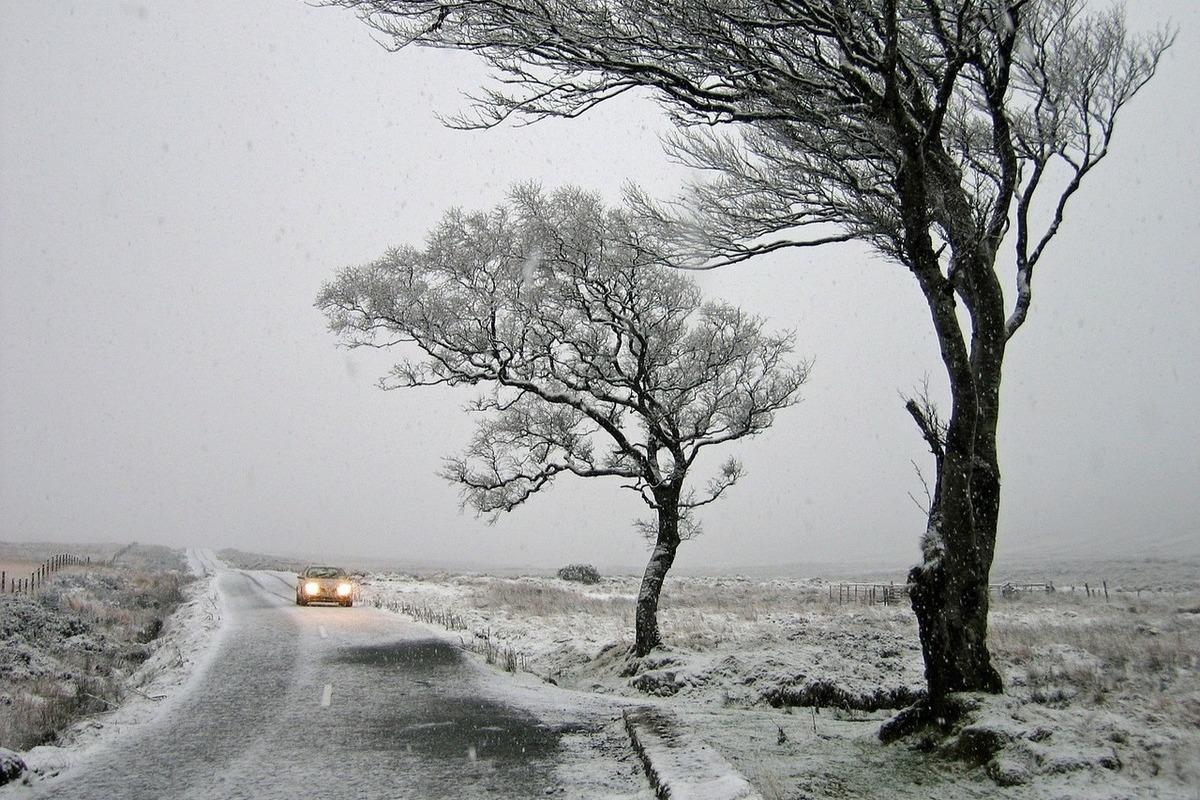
<point x="70" y="647"/>
<point x="1102" y="699"/>
<point x="728" y="641"/>
<point x="141" y="692"/>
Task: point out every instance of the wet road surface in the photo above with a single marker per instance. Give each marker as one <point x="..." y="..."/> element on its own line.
<point x="355" y="703"/>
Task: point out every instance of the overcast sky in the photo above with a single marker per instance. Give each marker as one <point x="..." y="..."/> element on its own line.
<point x="177" y="179"/>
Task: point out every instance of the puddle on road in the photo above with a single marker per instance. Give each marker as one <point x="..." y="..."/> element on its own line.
<point x="470" y="728"/>
<point x="431" y="713"/>
<point x="408" y="654"/>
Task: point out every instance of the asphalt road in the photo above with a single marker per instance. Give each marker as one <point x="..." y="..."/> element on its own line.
<point x="328" y="702"/>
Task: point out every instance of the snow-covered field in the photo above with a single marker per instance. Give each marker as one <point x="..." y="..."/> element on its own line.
<point x="141" y="690"/>
<point x="1103" y="698"/>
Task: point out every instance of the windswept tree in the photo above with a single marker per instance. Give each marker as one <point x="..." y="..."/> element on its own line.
<point x="949" y="135"/>
<point x="598" y="365"/>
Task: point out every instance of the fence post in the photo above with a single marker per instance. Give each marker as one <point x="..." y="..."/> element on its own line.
<point x="1105" y="590"/>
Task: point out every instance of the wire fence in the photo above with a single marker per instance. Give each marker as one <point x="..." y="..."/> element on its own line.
<point x="38" y="577"/>
<point x="889" y="594"/>
<point x="481" y="640"/>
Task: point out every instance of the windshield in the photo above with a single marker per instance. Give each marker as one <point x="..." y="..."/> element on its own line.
<point x="324" y="572"/>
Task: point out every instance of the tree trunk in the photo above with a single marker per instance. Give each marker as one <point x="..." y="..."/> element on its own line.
<point x="665" y="546"/>
<point x="949" y="591"/>
<point x="950" y="599"/>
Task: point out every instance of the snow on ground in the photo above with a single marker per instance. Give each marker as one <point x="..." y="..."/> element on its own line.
<point x="678" y="763"/>
<point x="731" y="641"/>
<point x="183" y="646"/>
<point x="1103" y="698"/>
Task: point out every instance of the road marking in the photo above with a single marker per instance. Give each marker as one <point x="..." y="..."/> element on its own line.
<point x="324" y="635"/>
<point x="327" y="695"/>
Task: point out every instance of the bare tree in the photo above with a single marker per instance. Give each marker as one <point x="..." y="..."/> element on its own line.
<point x="599" y="364"/>
<point x="947" y="134"/>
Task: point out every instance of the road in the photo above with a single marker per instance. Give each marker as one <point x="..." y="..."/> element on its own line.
<point x="352" y="703"/>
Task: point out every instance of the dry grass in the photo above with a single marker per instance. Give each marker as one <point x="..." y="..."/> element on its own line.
<point x="539" y="599"/>
<point x="695" y="602"/>
<point x="696" y="614"/>
<point x="1063" y="650"/>
<point x="18" y="567"/>
<point x="743" y="599"/>
<point x="38" y="711"/>
<point x="66" y="651"/>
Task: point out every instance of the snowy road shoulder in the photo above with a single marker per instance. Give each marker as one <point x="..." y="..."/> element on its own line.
<point x="184" y="648"/>
<point x="679" y="765"/>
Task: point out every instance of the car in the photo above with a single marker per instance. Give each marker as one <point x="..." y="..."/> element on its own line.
<point x="324" y="585"/>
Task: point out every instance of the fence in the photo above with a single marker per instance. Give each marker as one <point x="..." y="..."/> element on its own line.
<point x="889" y="594"/>
<point x="480" y="642"/>
<point x="1088" y="590"/>
<point x="37" y="578"/>
<point x="1010" y="589"/>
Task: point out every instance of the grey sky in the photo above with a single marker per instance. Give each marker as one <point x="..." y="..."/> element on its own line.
<point x="176" y="180"/>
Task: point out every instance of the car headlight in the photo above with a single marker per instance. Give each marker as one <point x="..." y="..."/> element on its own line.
<point x="312" y="587"/>
<point x="344" y="589"/>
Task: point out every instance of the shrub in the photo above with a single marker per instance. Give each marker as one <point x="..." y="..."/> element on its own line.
<point x="581" y="573"/>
